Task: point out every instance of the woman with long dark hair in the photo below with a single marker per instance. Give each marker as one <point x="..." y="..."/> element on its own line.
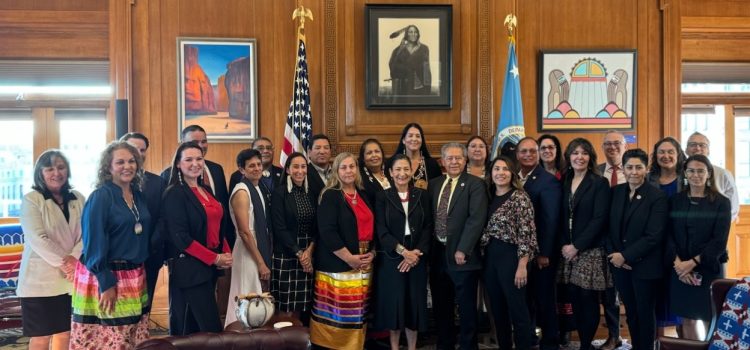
<point x="198" y="250"/>
<point x="700" y="218"/>
<point x="509" y="242"/>
<point x="295" y="229"/>
<point x="550" y="155"/>
<point x="413" y="145"/>
<point x="585" y="208"/>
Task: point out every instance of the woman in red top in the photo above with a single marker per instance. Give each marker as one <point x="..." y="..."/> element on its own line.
<point x="343" y="259"/>
<point x="198" y="251"/>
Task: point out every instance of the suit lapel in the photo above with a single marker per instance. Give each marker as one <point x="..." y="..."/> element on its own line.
<point x="414" y="196"/>
<point x="193" y="198"/>
<point x="635" y="202"/>
<point x="458" y="191"/>
<point x="394" y="198"/>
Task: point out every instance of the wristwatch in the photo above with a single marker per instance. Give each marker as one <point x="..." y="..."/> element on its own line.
<point x="299" y="253"/>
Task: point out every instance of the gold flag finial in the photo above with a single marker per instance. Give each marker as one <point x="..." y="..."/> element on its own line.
<point x="302" y="12"/>
<point x="511" y="22"/>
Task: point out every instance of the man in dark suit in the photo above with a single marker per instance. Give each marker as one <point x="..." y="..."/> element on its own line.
<point x="460" y="203"/>
<point x="271" y="174"/>
<point x="153" y="187"/>
<point x="613" y="147"/>
<point x="637" y="224"/>
<point x="544" y="191"/>
<point x="319" y="169"/>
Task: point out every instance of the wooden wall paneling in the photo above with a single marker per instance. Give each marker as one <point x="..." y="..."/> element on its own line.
<point x="715" y="8"/>
<point x="484" y="71"/>
<point x="672" y="66"/>
<point x="120" y="60"/>
<point x="54" y="5"/>
<point x="440" y="125"/>
<point x="53" y="34"/>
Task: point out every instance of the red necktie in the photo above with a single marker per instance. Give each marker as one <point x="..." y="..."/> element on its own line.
<point x="613" y="179"/>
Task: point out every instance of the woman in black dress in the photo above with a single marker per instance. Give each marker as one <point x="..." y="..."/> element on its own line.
<point x="403" y="239"/>
<point x="585" y="209"/>
<point x="293" y="209"/>
<point x="413" y="144"/>
<point x="699" y="219"/>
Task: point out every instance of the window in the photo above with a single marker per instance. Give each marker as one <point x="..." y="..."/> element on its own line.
<point x="16" y="159"/>
<point x="83" y="135"/>
<point x="709" y="121"/>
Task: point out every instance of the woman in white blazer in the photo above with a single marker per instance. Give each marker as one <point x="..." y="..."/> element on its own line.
<point x="51" y="223"/>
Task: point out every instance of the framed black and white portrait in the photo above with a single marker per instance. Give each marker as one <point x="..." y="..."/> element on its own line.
<point x="408" y="56"/>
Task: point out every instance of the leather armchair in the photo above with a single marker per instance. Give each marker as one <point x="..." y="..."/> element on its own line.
<point x="236" y="337"/>
<point x="719" y="290"/>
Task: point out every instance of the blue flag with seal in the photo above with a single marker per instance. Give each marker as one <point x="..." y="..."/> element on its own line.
<point x="510" y="126"/>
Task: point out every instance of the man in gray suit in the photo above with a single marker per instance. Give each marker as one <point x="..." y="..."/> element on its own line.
<point x="460" y="203"/>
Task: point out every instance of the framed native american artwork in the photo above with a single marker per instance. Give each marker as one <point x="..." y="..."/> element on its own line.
<point x="587" y="90"/>
<point x="217" y="87"/>
<point x="408" y="57"/>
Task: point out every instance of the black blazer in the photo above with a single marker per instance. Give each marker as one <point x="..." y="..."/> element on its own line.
<point x="153" y="189"/>
<point x="391" y="221"/>
<point x="220" y="193"/>
<point x="590" y="212"/>
<point x="701" y="228"/>
<point x="314" y="183"/>
<point x="467" y="214"/>
<point x="372" y="188"/>
<point x="185" y="221"/>
<point x="637" y="230"/>
<point x="285" y="225"/>
<point x="274" y="177"/>
<point x="337" y="228"/>
<point x="545" y="191"/>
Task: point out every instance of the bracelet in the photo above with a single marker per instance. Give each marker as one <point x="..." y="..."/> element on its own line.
<point x="400" y="249"/>
<point x="218" y="258"/>
<point x="299" y="253"/>
<point x="695" y="261"/>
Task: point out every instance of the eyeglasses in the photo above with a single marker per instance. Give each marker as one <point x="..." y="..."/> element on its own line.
<point x="612" y="144"/>
<point x="548" y="148"/>
<point x="264" y="148"/>
<point x="700" y="172"/>
<point x="697" y="145"/>
<point x="450" y="159"/>
<point x="527" y="151"/>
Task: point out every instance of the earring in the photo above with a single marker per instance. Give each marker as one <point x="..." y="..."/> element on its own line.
<point x="708" y="183"/>
<point x="685" y="181"/>
<point x="179" y="177"/>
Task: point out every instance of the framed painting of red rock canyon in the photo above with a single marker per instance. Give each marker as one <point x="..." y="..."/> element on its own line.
<point x="587" y="90"/>
<point x="217" y="87"/>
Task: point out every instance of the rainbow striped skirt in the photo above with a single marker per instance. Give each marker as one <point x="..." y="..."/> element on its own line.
<point x="340" y="304"/>
<point x="126" y="326"/>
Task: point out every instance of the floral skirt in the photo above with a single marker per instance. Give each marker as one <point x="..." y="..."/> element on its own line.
<point x="588" y="270"/>
<point x="124" y="328"/>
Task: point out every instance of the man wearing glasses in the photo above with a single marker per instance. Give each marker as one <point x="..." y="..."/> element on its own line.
<point x="699" y="144"/>
<point x="271" y="173"/>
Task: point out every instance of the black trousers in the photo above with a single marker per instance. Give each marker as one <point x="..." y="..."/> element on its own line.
<point x="542" y="292"/>
<point x="586" y="312"/>
<point x="153" y="264"/>
<point x="639" y="297"/>
<point x="507" y="301"/>
<point x="611" y="311"/>
<point x="448" y="289"/>
<point x="193" y="309"/>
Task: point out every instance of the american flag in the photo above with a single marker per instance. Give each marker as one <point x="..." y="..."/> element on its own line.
<point x="298" y="129"/>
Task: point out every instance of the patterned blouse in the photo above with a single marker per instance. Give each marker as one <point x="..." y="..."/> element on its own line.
<point x="513" y="222"/>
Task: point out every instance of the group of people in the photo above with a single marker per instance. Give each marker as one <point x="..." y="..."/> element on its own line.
<point x="355" y="241"/>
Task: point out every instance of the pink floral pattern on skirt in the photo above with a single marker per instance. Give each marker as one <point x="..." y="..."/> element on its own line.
<point x="85" y="336"/>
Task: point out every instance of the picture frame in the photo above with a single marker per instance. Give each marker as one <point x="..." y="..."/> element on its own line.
<point x="409" y="56"/>
<point x="217" y="87"/>
<point x="583" y="91"/>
